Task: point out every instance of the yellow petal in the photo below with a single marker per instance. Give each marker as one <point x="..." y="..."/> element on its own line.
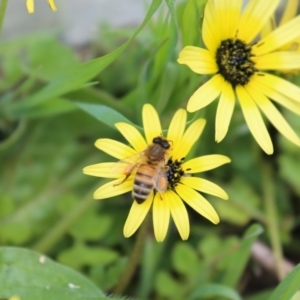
<point x="283" y="60"/>
<point x="151" y="123"/>
<point x="176" y="129"/>
<point x="210" y="32"/>
<point x="220" y="18"/>
<point x="105" y="170"/>
<point x="254" y="120"/>
<point x="197" y="202"/>
<point x="161" y="216"/>
<point x="205" y="163"/>
<point x="278" y="37"/>
<point x="189" y="138"/>
<point x="30" y="6"/>
<point x="228" y="12"/>
<point x="254" y="17"/>
<point x="273" y="114"/>
<point x="205" y="186"/>
<point x="224" y="111"/>
<point x="271" y="93"/>
<point x="268" y="28"/>
<point x="290" y="11"/>
<point x="114" y="148"/>
<point x="136" y="216"/>
<point x="199" y="60"/>
<point x="179" y="214"/>
<point x="132" y="135"/>
<point x="278" y="84"/>
<point x="206" y="94"/>
<point x="52" y="5"/>
<point x="286" y="102"/>
<point x="113" y="188"/>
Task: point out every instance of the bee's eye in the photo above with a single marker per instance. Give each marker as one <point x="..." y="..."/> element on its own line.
<point x="165" y="144"/>
<point x="162" y="142"/>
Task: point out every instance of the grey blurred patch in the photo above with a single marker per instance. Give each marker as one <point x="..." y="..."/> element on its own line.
<point x="77" y="21"/>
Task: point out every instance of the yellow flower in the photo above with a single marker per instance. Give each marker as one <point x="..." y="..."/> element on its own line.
<point x="289" y="12"/>
<point x="238" y="60"/>
<point x="182" y="186"/>
<point x="30" y="5"/>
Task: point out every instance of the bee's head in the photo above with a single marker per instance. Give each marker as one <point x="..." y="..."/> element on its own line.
<point x="162" y="142"/>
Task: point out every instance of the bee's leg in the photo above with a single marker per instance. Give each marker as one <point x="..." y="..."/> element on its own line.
<point x="126" y="176"/>
<point x="127" y="172"/>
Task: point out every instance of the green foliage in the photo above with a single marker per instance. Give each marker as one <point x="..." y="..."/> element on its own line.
<point x="221" y="260"/>
<point x="288" y="287"/>
<point x="104" y="114"/>
<point x="191" y="22"/>
<point x="69" y="79"/>
<point x="236" y="260"/>
<point x="80" y="255"/>
<point x="215" y="290"/>
<point x="53" y="107"/>
<point x="185" y="259"/>
<point x="29" y="275"/>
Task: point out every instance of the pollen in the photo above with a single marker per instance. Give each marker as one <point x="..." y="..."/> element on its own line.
<point x="234" y="61"/>
<point x="174" y="173"/>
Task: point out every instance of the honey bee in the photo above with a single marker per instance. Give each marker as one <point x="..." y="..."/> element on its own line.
<point x="151" y="171"/>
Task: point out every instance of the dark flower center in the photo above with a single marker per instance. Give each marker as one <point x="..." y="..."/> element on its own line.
<point x="234" y="61"/>
<point x="174" y="172"/>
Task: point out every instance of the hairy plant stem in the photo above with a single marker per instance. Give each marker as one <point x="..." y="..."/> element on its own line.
<point x="272" y="221"/>
<point x="134" y="258"/>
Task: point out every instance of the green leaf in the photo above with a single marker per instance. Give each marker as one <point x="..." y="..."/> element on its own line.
<point x="210" y="245"/>
<point x="166" y="37"/>
<point x="263" y="295"/>
<point x="237" y="260"/>
<point x="108" y="276"/>
<point x="100" y="224"/>
<point x="31" y="275"/>
<point x="76" y="77"/>
<point x="288" y="287"/>
<point x="191" y="22"/>
<point x="167" y="85"/>
<point x="213" y="290"/>
<point x="185" y="259"/>
<point x="54" y="107"/>
<point x="167" y="287"/>
<point x="81" y="255"/>
<point x="104" y="114"/>
<point x="172" y="11"/>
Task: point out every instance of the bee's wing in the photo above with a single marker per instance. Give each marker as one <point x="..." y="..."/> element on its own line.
<point x="126" y="165"/>
<point x="160" y="179"/>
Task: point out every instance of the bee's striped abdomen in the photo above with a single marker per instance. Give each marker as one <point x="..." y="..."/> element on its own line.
<point x="143" y="183"/>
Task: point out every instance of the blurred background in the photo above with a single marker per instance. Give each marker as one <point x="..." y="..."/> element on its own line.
<point x="76" y="21"/>
<point x="46" y="138"/>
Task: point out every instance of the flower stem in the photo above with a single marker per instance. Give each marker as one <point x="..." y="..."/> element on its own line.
<point x="272" y="221"/>
<point x="2" y="12"/>
<point x="134" y="258"/>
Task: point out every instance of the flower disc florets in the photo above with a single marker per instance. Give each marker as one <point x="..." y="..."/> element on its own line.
<point x="175" y="172"/>
<point x="234" y="61"/>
